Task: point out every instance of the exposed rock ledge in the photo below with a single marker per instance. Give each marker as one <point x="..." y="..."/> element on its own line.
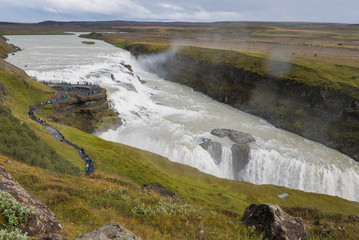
<point x="42" y="221"/>
<point x="236" y="136"/>
<point x="240" y="148"/>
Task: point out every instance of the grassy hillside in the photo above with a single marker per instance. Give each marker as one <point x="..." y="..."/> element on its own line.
<point x="114" y="192"/>
<point x="20" y="142"/>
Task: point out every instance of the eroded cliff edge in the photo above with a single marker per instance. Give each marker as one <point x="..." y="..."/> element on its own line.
<point x="318" y="112"/>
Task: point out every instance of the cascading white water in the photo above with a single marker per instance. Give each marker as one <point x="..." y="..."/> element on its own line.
<point x="169" y="119"/>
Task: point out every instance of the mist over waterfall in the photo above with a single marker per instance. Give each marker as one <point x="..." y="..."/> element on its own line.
<point x="171" y="120"/>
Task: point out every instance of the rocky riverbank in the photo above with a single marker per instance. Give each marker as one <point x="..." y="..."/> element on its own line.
<point x="319" y="113"/>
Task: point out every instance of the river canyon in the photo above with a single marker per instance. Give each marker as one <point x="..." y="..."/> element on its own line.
<point x="171" y="119"/>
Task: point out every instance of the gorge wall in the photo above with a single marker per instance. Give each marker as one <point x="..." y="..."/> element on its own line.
<point x="318" y="113"/>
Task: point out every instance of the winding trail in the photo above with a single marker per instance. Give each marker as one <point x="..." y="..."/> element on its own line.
<point x="62" y="90"/>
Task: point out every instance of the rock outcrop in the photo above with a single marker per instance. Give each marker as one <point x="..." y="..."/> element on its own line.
<point x="240" y="150"/>
<point x="235" y="136"/>
<point x="213" y="148"/>
<point x="160" y="190"/>
<point x="274" y="223"/>
<point x="112" y="231"/>
<point x="240" y="158"/>
<point x="42" y="221"/>
<point x="85" y="112"/>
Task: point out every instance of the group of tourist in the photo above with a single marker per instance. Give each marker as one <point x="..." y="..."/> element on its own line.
<point x="90" y="167"/>
<point x="60" y="137"/>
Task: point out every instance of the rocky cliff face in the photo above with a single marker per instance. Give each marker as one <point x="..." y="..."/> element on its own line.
<point x="321" y="114"/>
<point x="86" y="112"/>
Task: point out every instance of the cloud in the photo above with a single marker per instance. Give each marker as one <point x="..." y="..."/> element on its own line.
<point x="51" y="10"/>
<point x="184" y="10"/>
<point x="170" y="6"/>
<point x="108" y="7"/>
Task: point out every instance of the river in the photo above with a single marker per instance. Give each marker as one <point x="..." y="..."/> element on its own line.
<point x="170" y="119"/>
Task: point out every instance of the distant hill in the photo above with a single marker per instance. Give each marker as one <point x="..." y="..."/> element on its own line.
<point x="57" y="26"/>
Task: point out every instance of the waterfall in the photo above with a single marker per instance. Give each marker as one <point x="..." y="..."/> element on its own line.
<point x="170" y="119"/>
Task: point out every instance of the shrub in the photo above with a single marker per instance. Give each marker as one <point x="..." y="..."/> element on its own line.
<point x="13" y="235"/>
<point x="14" y="214"/>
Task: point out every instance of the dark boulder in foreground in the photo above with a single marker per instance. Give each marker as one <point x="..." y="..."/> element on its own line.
<point x="42" y="221"/>
<point x="160" y="190"/>
<point x="274" y="222"/>
<point x="236" y="136"/>
<point x="112" y="231"/>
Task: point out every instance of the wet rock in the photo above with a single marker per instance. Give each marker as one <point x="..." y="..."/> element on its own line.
<point x="113" y="77"/>
<point x="113" y="231"/>
<point x="234" y="135"/>
<point x="128" y="66"/>
<point x="213" y="148"/>
<point x="274" y="222"/>
<point x="160" y="190"/>
<point x="141" y="81"/>
<point x="240" y="158"/>
<point x="42" y="221"/>
<point x="54" y="237"/>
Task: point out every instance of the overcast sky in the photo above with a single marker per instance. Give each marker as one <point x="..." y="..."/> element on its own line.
<point x="342" y="11"/>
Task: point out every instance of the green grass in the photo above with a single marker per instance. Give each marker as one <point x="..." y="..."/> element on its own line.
<point x="20" y="142"/>
<point x="88" y="42"/>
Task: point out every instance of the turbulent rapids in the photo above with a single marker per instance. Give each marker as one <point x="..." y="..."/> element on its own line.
<point x="170" y="119"/>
